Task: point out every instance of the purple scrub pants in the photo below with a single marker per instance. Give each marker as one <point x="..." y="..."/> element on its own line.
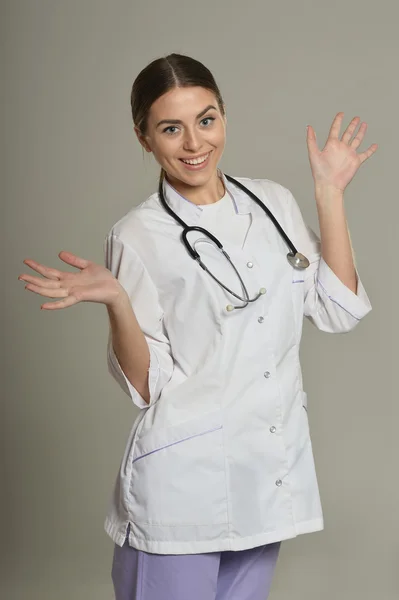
<point x="226" y="575"/>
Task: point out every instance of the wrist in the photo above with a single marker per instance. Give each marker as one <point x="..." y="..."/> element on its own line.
<point x="328" y="193"/>
<point x="118" y="299"/>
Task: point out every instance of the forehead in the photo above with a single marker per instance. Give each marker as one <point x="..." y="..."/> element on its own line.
<point x="182" y="103"/>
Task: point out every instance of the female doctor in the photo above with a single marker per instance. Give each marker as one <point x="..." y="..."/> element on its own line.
<point x="204" y="338"/>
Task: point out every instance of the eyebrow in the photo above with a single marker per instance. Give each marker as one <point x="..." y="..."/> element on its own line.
<point x="178" y="122"/>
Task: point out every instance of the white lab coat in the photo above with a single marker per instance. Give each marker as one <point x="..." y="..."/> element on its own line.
<point x="222" y="458"/>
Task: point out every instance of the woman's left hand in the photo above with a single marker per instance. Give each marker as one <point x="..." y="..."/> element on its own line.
<point x="335" y="166"/>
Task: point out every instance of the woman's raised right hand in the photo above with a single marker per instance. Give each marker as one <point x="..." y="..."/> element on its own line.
<point x="93" y="283"/>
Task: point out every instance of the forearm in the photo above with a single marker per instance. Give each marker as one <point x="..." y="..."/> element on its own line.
<point x="336" y="247"/>
<point x="129" y="344"/>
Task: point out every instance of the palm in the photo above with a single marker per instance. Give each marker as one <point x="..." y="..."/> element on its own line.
<point x="338" y="162"/>
<point x="93" y="282"/>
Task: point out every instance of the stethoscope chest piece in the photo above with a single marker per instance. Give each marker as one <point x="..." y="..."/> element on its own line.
<point x="298" y="260"/>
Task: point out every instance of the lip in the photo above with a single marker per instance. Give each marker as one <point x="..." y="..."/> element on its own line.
<point x="196" y="167"/>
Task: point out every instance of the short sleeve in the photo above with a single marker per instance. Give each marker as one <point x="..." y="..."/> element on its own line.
<point x="125" y="264"/>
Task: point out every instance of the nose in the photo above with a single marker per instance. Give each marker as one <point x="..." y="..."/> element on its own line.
<point x="192" y="140"/>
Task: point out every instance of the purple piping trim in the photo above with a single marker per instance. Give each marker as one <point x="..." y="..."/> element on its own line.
<point x="233" y="199"/>
<point x="178" y="442"/>
<point x="340" y="305"/>
<point x="298" y="281"/>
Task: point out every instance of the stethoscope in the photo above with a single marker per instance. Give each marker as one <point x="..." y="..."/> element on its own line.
<point x="295" y="258"/>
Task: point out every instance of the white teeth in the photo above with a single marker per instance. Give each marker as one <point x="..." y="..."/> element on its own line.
<point x="196" y="161"/>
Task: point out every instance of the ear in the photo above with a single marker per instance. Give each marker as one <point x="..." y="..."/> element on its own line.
<point x="142" y="139"/>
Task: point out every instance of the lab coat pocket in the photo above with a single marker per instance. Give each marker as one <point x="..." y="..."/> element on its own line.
<point x="178" y="474"/>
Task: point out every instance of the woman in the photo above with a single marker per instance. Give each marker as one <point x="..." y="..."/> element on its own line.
<point x="218" y="468"/>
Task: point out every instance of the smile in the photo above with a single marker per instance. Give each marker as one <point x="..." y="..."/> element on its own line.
<point x="198" y="162"/>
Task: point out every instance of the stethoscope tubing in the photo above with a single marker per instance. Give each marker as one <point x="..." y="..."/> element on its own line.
<point x="188" y="228"/>
<point x="266" y="210"/>
<point x="194" y="254"/>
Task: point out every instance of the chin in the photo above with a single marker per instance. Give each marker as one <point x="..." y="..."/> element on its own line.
<point x="198" y="179"/>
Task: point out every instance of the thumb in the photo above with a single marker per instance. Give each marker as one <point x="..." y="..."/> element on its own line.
<point x="73" y="260"/>
<point x="311" y="140"/>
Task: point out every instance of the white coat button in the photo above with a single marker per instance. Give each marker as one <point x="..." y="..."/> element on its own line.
<point x="272" y="429"/>
<point x="267" y="374"/>
<point x="260" y="319"/>
<point x="279" y="482"/>
<point x="250" y="265"/>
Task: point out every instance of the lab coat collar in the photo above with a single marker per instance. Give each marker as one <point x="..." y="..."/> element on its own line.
<point x="193" y="213"/>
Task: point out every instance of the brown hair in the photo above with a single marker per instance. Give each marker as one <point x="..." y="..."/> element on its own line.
<point x="162" y="75"/>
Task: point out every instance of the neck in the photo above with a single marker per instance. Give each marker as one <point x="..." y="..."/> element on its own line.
<point x="209" y="193"/>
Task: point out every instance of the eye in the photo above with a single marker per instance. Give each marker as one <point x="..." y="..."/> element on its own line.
<point x="208" y="119"/>
<point x="168" y="129"/>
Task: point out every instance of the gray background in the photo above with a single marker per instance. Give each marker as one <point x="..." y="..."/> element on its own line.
<point x="72" y="167"/>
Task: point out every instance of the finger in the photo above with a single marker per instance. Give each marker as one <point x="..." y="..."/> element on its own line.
<point x="39" y="282"/>
<point x="336" y="126"/>
<point x="45" y="291"/>
<point x="349" y="131"/>
<point x="357" y="140"/>
<point x="311" y="140"/>
<point x="367" y="153"/>
<point x="43" y="269"/>
<point x="70" y="301"/>
<point x="72" y="259"/>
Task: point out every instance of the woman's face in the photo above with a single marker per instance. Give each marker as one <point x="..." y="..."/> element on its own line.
<point x="186" y="124"/>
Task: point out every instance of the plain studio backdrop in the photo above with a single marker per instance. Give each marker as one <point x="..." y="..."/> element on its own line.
<point x="73" y="167"/>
